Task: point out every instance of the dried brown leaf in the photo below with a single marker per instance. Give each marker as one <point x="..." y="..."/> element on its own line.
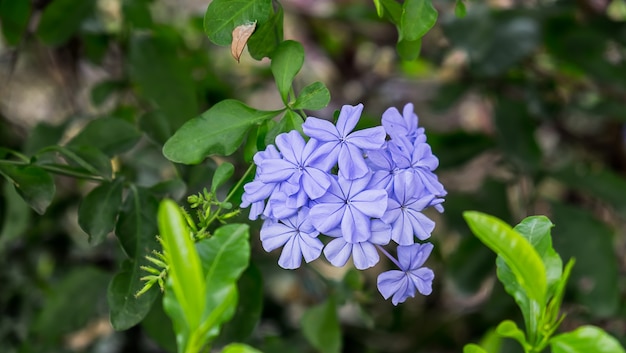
<point x="241" y="34"/>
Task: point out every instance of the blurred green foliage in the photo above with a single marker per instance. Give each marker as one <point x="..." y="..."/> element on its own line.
<point x="524" y="104"/>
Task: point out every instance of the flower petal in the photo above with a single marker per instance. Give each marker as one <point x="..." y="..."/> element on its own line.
<point x="291" y="145"/>
<point x="311" y="247"/>
<point x="355" y="226"/>
<point x="368" y="139"/>
<point x="291" y="257"/>
<point x="276" y="170"/>
<point x="351" y="162"/>
<point x="326" y="216"/>
<point x="390" y="282"/>
<point x="275" y="234"/>
<point x="320" y="129"/>
<point x="315" y="182"/>
<point x="372" y="203"/>
<point x="364" y="255"/>
<point x="338" y="252"/>
<point x="348" y="118"/>
<point x="422" y="279"/>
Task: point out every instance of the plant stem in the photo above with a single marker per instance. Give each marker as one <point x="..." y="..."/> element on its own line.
<point x="230" y="195"/>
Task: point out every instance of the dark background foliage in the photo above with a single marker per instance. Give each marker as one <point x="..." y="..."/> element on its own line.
<point x="524" y="103"/>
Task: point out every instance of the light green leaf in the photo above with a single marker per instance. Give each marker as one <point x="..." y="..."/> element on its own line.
<point x="418" y="17"/>
<point x="287" y="60"/>
<point x="392" y="10"/>
<point x="32" y="183"/>
<point x="223" y="172"/>
<point x="459" y="9"/>
<point x="98" y="211"/>
<point x="586" y="339"/>
<point x="14" y="16"/>
<point x="508" y="328"/>
<point x="409" y="49"/>
<point x="185" y="269"/>
<point x="136" y="230"/>
<point x="516" y="251"/>
<point x="61" y="19"/>
<point x="320" y="326"/>
<point x="473" y="348"/>
<point x="313" y="97"/>
<point x="239" y="348"/>
<point x="222" y="16"/>
<point x="379" y="8"/>
<point x="219" y="130"/>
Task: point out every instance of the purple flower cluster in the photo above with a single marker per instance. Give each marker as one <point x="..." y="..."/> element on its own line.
<point x="384" y="180"/>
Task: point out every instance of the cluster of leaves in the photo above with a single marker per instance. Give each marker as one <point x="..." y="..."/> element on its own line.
<point x="532" y="273"/>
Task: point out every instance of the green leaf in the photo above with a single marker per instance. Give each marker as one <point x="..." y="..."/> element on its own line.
<point x="110" y="135"/>
<point x="224" y="257"/>
<point x="103" y="90"/>
<point x="223" y="172"/>
<point x="77" y="299"/>
<point x="185" y="269"/>
<point x="14" y="16"/>
<point x="43" y="135"/>
<point x="586" y="339"/>
<point x="158" y="326"/>
<point x="162" y="77"/>
<point x="287" y="60"/>
<point x="173" y="188"/>
<point x="473" y="348"/>
<point x="267" y="36"/>
<point x="601" y="183"/>
<point x="393" y="11"/>
<point x="290" y="121"/>
<point x="16" y="216"/>
<point x="86" y="158"/>
<point x="459" y="9"/>
<point x="380" y="10"/>
<point x="320" y="326"/>
<point x="127" y="310"/>
<point x="516" y="251"/>
<point x="508" y="328"/>
<point x="61" y="19"/>
<point x="516" y="133"/>
<point x="418" y="17"/>
<point x="136" y="230"/>
<point x="239" y="348"/>
<point x="32" y="183"/>
<point x="219" y="130"/>
<point x="222" y="16"/>
<point x="595" y="279"/>
<point x="137" y="13"/>
<point x="97" y="212"/>
<point x="249" y="308"/>
<point x="313" y="97"/>
<point x="409" y="49"/>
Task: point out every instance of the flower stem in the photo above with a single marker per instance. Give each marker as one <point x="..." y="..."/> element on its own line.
<point x="393" y="259"/>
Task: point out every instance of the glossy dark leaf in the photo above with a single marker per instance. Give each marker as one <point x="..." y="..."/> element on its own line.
<point x="15" y="213"/>
<point x="586" y="339"/>
<point x="61" y="19"/>
<point x="43" y="135"/>
<point x="127" y="310"/>
<point x="290" y="121"/>
<point x="97" y="212"/>
<point x="136" y="230"/>
<point x="111" y="135"/>
<point x="32" y="183"/>
<point x="222" y="16"/>
<point x="219" y="130"/>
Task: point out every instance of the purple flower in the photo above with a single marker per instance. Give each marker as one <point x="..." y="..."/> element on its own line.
<point x="350" y="205"/>
<point x="404" y="125"/>
<point x="404" y="212"/>
<point x="364" y="254"/>
<point x="298" y="237"/>
<point x="345" y="147"/>
<point x="411" y="277"/>
<point x="417" y="158"/>
<point x="256" y="191"/>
